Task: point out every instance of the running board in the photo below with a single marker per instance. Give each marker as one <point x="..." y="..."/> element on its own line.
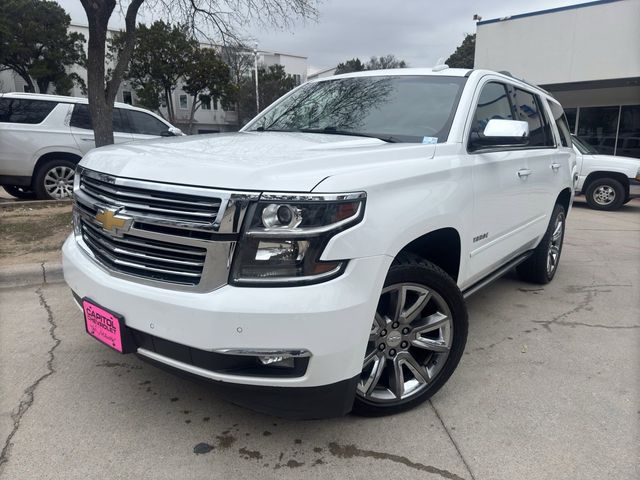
<point x="496" y="274"/>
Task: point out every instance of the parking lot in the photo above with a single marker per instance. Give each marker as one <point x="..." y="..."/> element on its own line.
<point x="548" y="388"/>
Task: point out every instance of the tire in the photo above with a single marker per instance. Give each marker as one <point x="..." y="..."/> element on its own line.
<point x="426" y="354"/>
<point x="605" y="194"/>
<point x="542" y="265"/>
<point x="54" y="180"/>
<point x="23" y="193"/>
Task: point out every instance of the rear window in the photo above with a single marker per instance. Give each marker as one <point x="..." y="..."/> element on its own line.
<point x="529" y="109"/>
<point x="81" y="118"/>
<point x="18" y="110"/>
<point x="562" y="124"/>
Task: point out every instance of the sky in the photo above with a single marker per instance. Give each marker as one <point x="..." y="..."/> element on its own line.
<point x="417" y="31"/>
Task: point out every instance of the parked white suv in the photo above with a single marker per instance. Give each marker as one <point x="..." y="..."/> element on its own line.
<point x="43" y="137"/>
<point x="605" y="180"/>
<point x="318" y="261"/>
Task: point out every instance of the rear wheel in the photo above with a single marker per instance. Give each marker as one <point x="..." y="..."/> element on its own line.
<point x="23" y="193"/>
<point x="542" y="265"/>
<point x="54" y="180"/>
<point x="605" y="194"/>
<point x="416" y="340"/>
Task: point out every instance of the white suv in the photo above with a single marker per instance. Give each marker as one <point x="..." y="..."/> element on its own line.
<point x="318" y="261"/>
<point x="43" y="137"/>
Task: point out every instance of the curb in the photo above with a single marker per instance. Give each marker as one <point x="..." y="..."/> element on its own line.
<point x="12" y="205"/>
<point x="31" y="274"/>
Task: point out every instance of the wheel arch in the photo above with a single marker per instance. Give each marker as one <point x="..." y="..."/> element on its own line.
<point x="564" y="199"/>
<point x="441" y="247"/>
<point x="72" y="157"/>
<point x="621" y="177"/>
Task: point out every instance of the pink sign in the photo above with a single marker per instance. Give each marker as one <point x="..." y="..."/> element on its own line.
<point x="102" y="325"/>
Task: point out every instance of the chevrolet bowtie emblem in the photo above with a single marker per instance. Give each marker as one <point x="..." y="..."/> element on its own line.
<point x="112" y="222"/>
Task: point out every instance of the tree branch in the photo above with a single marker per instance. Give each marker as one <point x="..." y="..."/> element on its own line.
<point x="125" y="54"/>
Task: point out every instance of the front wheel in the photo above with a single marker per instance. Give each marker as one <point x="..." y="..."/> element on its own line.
<point x="605" y="194"/>
<point x="416" y="340"/>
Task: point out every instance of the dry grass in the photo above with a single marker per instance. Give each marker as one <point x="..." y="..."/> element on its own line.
<point x="33" y="234"/>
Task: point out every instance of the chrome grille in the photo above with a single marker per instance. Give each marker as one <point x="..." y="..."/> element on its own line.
<point x="178" y="236"/>
<point x="155" y="208"/>
<point x="167" y="262"/>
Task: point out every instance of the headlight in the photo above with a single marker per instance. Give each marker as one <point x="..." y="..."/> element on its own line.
<point x="285" y="235"/>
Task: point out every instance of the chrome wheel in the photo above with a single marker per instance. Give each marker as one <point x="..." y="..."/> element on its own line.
<point x="604" y="195"/>
<point x="555" y="245"/>
<point x="58" y="182"/>
<point x="409" y="343"/>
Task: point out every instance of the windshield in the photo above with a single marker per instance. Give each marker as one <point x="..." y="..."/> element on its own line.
<point x="392" y="108"/>
<point x="583" y="146"/>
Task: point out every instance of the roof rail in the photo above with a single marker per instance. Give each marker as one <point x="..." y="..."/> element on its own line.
<point x="509" y="74"/>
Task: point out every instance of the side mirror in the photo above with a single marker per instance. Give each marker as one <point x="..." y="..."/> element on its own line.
<point x="172" y="132"/>
<point x="501" y="133"/>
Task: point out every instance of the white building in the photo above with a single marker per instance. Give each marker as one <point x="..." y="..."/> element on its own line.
<point x="207" y="119"/>
<point x="586" y="55"/>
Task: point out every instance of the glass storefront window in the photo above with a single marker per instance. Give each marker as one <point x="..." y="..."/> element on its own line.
<point x="629" y="132"/>
<point x="571" y="114"/>
<point x="597" y="126"/>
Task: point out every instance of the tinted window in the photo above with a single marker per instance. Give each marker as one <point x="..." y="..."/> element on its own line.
<point x="81" y="118"/>
<point x="561" y="123"/>
<point x="597" y="126"/>
<point x="529" y="109"/>
<point x="14" y="110"/>
<point x="492" y="104"/>
<point x="406" y="108"/>
<point x="145" y="124"/>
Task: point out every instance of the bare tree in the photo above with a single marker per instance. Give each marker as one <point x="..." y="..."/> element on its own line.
<point x="206" y="18"/>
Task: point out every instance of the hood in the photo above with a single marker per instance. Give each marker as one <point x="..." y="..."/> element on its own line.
<point x="277" y="161"/>
<point x="626" y="165"/>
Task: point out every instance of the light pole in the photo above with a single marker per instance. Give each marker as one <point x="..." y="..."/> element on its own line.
<point x="255" y="67"/>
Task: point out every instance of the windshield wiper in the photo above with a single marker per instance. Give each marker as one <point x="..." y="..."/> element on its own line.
<point x="337" y="131"/>
<point x="332" y="131"/>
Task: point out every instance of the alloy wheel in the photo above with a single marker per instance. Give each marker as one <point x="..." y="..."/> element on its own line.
<point x="409" y="343"/>
<point x="58" y="182"/>
<point x="604" y="195"/>
<point x="555" y="245"/>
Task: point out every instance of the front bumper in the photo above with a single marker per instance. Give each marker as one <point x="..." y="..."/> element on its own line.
<point x="331" y="320"/>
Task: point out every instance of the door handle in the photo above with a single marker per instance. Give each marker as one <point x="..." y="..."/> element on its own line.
<point x="87" y="139"/>
<point x="555" y="166"/>
<point x="524" y="172"/>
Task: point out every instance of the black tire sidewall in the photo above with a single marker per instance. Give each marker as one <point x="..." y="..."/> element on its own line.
<point x="617" y="187"/>
<point x="435" y="279"/>
<point x="38" y="180"/>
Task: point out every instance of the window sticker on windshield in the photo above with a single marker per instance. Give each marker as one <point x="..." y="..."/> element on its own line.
<point x="429" y="140"/>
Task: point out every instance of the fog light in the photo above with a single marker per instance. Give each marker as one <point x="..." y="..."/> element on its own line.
<point x="283" y="361"/>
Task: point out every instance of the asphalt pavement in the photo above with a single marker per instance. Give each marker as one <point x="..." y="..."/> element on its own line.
<point x="548" y="388"/>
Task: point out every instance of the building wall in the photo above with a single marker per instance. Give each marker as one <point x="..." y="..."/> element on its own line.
<point x="587" y="56"/>
<point x="593" y="42"/>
